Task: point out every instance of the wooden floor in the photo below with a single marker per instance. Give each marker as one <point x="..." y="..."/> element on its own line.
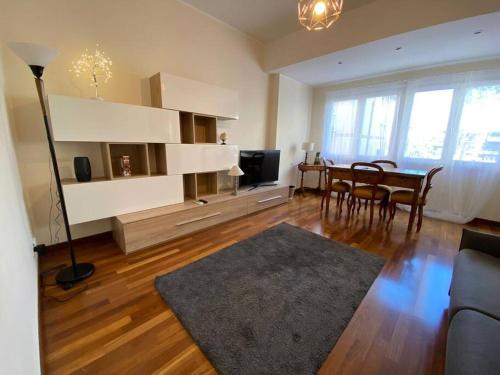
<point x="120" y="324"/>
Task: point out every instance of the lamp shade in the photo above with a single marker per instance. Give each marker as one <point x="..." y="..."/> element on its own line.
<point x="33" y="54"/>
<point x="308" y="146"/>
<point x="235" y="171"/>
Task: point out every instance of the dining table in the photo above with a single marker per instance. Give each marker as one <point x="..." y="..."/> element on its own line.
<point x="394" y="177"/>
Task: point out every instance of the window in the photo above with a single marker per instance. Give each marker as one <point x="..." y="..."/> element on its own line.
<point x="361" y="126"/>
<point x="440" y="119"/>
<point x="343" y="123"/>
<point x="376" y="129"/>
<point x="430" y="112"/>
<point x="478" y="137"/>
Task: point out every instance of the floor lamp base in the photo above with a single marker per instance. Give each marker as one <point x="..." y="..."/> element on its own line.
<point x="67" y="277"/>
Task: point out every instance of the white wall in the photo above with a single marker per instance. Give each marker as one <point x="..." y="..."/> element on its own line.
<point x="19" y="351"/>
<point x="492" y="210"/>
<point x="142" y="38"/>
<point x="292" y="124"/>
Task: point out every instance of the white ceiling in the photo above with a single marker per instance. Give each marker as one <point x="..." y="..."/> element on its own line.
<point x="265" y="20"/>
<point x="437" y="45"/>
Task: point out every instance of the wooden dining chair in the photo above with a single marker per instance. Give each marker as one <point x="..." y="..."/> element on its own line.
<point x="406" y="197"/>
<point x="382" y="161"/>
<point x="390" y="162"/>
<point x="371" y="175"/>
<point x="340" y="187"/>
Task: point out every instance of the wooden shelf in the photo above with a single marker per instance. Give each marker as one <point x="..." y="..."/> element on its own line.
<point x="205" y="129"/>
<point x="157" y="155"/>
<point x="187" y="127"/>
<point x="206" y="184"/>
<point x="190" y="186"/>
<point x="197" y="185"/>
<point x="139" y="159"/>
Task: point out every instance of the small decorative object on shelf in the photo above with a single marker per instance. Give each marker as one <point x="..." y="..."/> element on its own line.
<point x="83" y="171"/>
<point x="97" y="65"/>
<point x="317" y="160"/>
<point x="223" y="138"/>
<point x="125" y="166"/>
<point x="235" y="172"/>
<point x="307" y="147"/>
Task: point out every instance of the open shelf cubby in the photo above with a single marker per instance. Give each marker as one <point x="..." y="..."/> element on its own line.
<point x="205" y="129"/>
<point x="189" y="186"/>
<point x="197" y="128"/>
<point x="187" y="127"/>
<point x="157" y="155"/>
<point x="224" y="182"/>
<point x="206" y="184"/>
<point x="137" y="152"/>
<point x="198" y="185"/>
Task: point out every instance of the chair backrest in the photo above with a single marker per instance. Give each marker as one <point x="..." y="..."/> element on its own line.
<point x="325" y="164"/>
<point x="428" y="183"/>
<point x="390" y="162"/>
<point x="366" y="173"/>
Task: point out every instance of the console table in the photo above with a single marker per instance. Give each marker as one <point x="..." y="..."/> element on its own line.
<point x="311" y="168"/>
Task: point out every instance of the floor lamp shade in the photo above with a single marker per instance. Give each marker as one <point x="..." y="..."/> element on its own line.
<point x="33" y="54"/>
<point x="37" y="57"/>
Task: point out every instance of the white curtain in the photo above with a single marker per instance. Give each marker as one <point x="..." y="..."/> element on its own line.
<point x="451" y="120"/>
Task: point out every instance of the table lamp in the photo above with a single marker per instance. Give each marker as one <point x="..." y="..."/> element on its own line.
<point x="37" y="57"/>
<point x="235" y="172"/>
<point x="307" y="147"/>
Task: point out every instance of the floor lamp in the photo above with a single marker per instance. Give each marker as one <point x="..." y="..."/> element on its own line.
<point x="37" y="57"/>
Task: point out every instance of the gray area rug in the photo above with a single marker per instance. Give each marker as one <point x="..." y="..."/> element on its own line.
<point x="275" y="303"/>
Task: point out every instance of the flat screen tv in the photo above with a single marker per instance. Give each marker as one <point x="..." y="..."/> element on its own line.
<point x="261" y="167"/>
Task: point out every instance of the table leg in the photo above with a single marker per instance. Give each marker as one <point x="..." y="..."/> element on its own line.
<point x="413" y="211"/>
<point x="328" y="191"/>
<point x="302" y="183"/>
<point x="318" y="189"/>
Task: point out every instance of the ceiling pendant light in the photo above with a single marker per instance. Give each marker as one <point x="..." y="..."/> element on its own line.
<point x="319" y="14"/>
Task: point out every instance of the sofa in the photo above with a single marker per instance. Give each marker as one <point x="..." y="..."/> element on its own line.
<point x="473" y="344"/>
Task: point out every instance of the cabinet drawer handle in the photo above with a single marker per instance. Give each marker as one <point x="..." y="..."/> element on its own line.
<point x="198" y="219"/>
<point x="270" y="199"/>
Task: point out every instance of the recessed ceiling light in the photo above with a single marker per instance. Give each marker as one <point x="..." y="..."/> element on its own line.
<point x="399" y="48"/>
<point x="477" y="32"/>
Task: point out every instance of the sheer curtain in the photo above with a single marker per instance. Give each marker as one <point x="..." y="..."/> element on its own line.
<point x="451" y="120"/>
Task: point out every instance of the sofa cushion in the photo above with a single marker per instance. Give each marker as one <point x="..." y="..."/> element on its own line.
<point x="475" y="283"/>
<point x="472" y="346"/>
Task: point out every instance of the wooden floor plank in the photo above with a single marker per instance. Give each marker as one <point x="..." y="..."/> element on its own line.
<point x="120" y="324"/>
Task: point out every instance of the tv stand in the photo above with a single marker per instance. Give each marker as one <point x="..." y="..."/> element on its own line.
<point x="138" y="230"/>
<point x="261" y="185"/>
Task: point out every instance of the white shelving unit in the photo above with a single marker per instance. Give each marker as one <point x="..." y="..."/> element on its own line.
<point x="183" y="94"/>
<point x="88" y="120"/>
<point x="174" y="159"/>
<point x="106" y="198"/>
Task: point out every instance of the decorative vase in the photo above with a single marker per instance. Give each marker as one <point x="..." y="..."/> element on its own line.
<point x="83" y="171"/>
<point x="125" y="166"/>
<point x="317" y="161"/>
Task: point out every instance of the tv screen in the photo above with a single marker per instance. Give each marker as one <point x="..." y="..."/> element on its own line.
<point x="259" y="166"/>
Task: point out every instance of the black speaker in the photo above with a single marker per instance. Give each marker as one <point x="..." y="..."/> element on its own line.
<point x="83" y="171"/>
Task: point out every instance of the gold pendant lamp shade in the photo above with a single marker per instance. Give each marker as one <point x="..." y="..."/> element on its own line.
<point x="319" y="14"/>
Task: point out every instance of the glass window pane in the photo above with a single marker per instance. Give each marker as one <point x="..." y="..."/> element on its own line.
<point x="377" y="124"/>
<point x="343" y="125"/>
<point x="479" y="131"/>
<point x="429" y="117"/>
